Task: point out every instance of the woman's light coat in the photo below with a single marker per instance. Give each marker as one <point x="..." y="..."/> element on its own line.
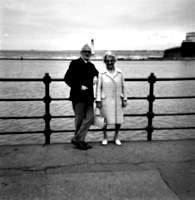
<point x="110" y="92"/>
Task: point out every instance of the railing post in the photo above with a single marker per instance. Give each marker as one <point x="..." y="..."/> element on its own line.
<point x="150" y="113"/>
<point x="47" y="116"/>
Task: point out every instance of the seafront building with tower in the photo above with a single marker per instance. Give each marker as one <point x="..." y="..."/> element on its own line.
<point x="186" y="50"/>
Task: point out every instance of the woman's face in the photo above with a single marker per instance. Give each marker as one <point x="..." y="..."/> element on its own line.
<point x="109" y="62"/>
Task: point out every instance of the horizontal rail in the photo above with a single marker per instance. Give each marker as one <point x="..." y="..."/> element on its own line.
<point x="21" y="79"/>
<point x="176" y="79"/>
<point x="21" y="117"/>
<point x="174" y="128"/>
<point x="130" y="129"/>
<point x="125" y="115"/>
<point x="38" y="99"/>
<point x="67" y="131"/>
<point x="173" y="114"/>
<point x="95" y="130"/>
<point x="129" y="98"/>
<point x="126" y="79"/>
<point x="72" y="116"/>
<point x="175" y="97"/>
<point x="60" y="116"/>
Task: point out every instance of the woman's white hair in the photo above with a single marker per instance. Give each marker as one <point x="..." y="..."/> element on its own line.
<point x="109" y="54"/>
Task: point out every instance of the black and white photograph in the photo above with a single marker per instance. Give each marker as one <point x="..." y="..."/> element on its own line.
<point x="97" y="100"/>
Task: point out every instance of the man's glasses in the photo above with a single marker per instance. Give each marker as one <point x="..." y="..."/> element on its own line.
<point x="89" y="52"/>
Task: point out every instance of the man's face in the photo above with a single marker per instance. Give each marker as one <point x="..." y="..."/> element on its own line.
<point x="86" y="53"/>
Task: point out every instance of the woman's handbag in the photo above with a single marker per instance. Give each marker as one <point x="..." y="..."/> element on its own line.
<point x="98" y="120"/>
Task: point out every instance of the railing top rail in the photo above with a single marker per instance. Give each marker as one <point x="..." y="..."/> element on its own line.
<point x="126" y="79"/>
<point x="20" y="79"/>
<point x="176" y="79"/>
<point x="146" y="79"/>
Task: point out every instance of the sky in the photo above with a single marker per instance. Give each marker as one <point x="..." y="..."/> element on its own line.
<point x="113" y="24"/>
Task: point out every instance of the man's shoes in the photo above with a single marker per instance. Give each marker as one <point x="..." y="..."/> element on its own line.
<point x="85" y="144"/>
<point x="81" y="145"/>
<point x="75" y="142"/>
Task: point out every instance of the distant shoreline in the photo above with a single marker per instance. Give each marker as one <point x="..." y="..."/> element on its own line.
<point x="98" y="59"/>
<point x="67" y="55"/>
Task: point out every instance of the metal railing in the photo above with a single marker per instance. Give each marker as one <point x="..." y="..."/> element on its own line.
<point x="47" y="100"/>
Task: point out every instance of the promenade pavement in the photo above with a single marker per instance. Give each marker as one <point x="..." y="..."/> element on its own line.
<point x="137" y="170"/>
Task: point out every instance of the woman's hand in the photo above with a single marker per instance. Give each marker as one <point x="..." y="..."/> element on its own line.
<point x="95" y="80"/>
<point x="124" y="104"/>
<point x="98" y="104"/>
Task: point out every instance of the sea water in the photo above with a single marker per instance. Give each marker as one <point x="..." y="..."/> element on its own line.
<point x="131" y="69"/>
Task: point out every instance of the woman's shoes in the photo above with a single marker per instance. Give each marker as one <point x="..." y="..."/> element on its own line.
<point x="104" y="142"/>
<point x="117" y="142"/>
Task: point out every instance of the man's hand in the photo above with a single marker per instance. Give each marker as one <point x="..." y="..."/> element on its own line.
<point x="84" y="87"/>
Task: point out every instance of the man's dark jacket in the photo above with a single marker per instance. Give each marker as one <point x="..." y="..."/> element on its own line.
<point x="80" y="73"/>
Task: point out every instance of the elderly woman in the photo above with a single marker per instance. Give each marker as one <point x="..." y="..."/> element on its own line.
<point x="110" y="96"/>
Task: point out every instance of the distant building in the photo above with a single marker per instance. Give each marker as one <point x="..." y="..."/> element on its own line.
<point x="190" y="37"/>
<point x="188" y="45"/>
<point x="187" y="49"/>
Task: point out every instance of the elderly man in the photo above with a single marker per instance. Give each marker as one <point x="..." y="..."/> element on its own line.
<point x="80" y="77"/>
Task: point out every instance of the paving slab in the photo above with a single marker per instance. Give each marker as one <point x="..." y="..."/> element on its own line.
<point x="145" y="185"/>
<point x="180" y="177"/>
<point x="136" y="170"/>
<point x="23" y="187"/>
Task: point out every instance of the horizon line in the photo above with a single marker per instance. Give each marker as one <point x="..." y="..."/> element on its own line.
<point x="79" y="50"/>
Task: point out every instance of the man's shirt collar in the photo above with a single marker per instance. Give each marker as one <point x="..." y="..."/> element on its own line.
<point x="84" y="60"/>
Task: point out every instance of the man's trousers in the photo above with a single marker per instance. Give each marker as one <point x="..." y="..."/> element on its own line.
<point x="84" y="114"/>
